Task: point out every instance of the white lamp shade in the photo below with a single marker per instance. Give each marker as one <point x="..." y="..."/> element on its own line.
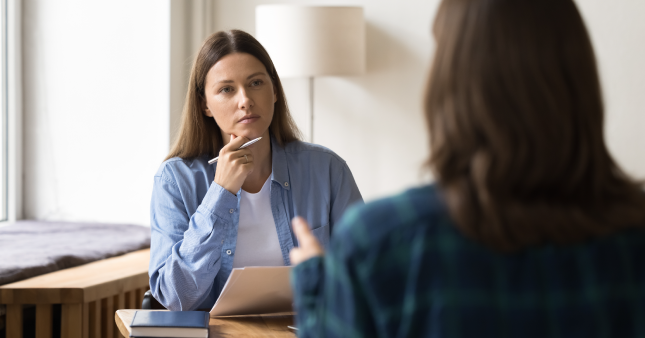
<point x="306" y="41"/>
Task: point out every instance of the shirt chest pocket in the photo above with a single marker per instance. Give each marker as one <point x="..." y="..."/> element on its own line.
<point x="322" y="233"/>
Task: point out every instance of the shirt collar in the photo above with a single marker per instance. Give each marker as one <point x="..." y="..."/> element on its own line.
<point x="280" y="169"/>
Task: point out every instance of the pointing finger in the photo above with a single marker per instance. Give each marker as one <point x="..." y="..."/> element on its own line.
<point x="302" y="231"/>
<point x="308" y="245"/>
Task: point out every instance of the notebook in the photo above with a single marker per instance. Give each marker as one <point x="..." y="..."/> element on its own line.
<point x="184" y="324"/>
<point x="255" y="290"/>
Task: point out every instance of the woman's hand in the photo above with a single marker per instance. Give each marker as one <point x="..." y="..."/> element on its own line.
<point x="308" y="245"/>
<point x="234" y="165"/>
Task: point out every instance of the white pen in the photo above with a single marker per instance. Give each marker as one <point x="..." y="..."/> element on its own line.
<point x="242" y="147"/>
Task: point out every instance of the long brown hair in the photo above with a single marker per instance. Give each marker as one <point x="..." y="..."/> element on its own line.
<point x="515" y="115"/>
<point x="199" y="134"/>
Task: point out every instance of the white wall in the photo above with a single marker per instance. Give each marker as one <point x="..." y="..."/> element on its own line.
<point x="96" y="98"/>
<point x="618" y="32"/>
<point x="190" y="23"/>
<point x="96" y="108"/>
<point x="375" y="122"/>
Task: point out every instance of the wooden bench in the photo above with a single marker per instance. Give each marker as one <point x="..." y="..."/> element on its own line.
<point x="89" y="296"/>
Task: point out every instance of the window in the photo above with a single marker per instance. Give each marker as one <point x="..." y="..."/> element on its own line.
<point x="10" y="111"/>
<point x="3" y="118"/>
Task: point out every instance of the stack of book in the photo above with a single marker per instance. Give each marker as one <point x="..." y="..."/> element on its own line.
<point x="184" y="324"/>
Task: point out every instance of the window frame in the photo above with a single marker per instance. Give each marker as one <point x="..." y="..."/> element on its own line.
<point x="12" y="106"/>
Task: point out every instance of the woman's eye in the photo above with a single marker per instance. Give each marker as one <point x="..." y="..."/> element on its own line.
<point x="256" y="83"/>
<point x="225" y="90"/>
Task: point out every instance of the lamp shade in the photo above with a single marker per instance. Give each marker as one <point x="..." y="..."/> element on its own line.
<point x="307" y="41"/>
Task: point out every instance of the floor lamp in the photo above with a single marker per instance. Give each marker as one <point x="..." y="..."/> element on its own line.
<point x="310" y="41"/>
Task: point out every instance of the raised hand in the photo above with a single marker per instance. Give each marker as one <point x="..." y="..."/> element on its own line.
<point x="308" y="245"/>
<point x="234" y="164"/>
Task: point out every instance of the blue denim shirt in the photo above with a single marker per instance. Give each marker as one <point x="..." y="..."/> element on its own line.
<point x="194" y="220"/>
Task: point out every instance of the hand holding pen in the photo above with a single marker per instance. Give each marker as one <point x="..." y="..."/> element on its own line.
<point x="234" y="163"/>
<point x="242" y="147"/>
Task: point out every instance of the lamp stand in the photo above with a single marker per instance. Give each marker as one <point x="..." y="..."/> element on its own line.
<point x="311" y="109"/>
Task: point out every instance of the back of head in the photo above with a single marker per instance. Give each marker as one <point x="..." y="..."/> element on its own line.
<point x="515" y="114"/>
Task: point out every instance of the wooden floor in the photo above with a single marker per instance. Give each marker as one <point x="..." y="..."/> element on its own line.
<point x="89" y="296"/>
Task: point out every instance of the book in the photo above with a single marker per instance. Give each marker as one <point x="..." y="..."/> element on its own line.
<point x="255" y="290"/>
<point x="184" y="324"/>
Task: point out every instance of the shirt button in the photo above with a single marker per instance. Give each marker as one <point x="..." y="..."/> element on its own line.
<point x="229" y="252"/>
<point x="222" y="241"/>
<point x="231" y="211"/>
<point x="286" y="184"/>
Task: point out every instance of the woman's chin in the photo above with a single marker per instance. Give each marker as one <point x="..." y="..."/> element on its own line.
<point x="251" y="133"/>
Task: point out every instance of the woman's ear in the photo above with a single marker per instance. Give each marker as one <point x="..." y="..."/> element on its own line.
<point x="206" y="111"/>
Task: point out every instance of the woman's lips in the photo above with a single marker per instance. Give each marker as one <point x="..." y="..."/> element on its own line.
<point x="249" y="119"/>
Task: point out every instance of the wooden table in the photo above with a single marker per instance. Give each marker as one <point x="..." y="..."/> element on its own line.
<point x="238" y="326"/>
<point x="89" y="294"/>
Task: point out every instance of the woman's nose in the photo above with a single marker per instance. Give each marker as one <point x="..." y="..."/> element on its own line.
<point x="245" y="102"/>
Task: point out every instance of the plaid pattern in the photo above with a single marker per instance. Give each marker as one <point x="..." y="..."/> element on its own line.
<point x="398" y="267"/>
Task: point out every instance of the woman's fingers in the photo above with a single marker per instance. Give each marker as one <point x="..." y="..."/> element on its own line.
<point x="246" y="159"/>
<point x="302" y="231"/>
<point x="240" y="154"/>
<point x="234" y="144"/>
<point x="234" y="165"/>
<point x="308" y="245"/>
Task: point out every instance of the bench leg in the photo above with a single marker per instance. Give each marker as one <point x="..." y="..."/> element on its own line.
<point x="86" y="320"/>
<point x="95" y="319"/>
<point x="14" y="320"/>
<point x="43" y="321"/>
<point x="72" y="321"/>
<point x="107" y="314"/>
<point x="128" y="300"/>
<point x="119" y="303"/>
<point x="140" y="292"/>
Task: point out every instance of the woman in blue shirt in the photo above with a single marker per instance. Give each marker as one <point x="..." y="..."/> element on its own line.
<point x="207" y="219"/>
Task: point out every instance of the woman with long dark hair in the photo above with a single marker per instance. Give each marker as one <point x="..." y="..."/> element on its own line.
<point x="531" y="230"/>
<point x="207" y="219"/>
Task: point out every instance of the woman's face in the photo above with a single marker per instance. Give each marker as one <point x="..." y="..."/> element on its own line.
<point x="240" y="96"/>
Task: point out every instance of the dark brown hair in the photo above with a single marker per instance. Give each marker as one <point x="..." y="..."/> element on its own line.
<point x="199" y="134"/>
<point x="515" y="115"/>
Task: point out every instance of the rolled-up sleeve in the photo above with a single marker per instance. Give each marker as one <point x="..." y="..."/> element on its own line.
<point x="186" y="249"/>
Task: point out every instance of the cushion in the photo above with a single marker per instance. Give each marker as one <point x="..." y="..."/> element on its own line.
<point x="32" y="248"/>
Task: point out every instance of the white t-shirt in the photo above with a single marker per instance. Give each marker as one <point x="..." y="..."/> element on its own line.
<point x="257" y="237"/>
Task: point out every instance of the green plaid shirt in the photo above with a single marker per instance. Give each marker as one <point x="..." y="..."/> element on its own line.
<point x="398" y="267"/>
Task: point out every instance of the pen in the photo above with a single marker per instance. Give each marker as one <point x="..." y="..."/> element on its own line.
<point x="242" y="147"/>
